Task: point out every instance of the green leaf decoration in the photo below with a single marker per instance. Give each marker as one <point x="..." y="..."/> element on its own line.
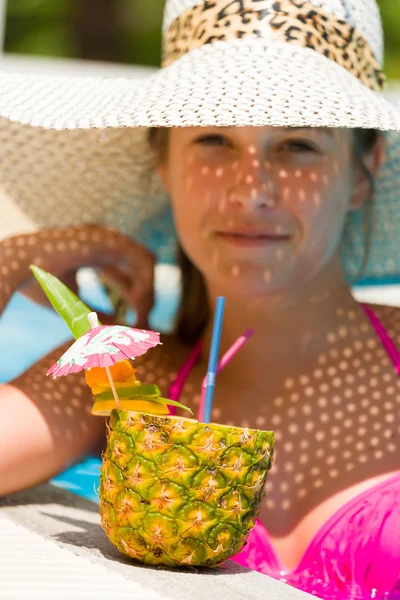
<point x="173" y="403"/>
<point x="70" y="308"/>
<point x="146" y="392"/>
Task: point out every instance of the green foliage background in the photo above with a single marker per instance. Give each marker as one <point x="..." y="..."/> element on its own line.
<point x="49" y="28"/>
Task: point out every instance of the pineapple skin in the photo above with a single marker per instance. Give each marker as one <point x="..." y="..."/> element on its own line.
<point x="177" y="492"/>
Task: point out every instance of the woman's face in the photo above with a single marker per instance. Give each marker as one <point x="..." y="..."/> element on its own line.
<point x="259" y="209"/>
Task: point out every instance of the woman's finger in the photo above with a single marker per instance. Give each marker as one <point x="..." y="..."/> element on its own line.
<point x="69" y="279"/>
<point x="124" y="291"/>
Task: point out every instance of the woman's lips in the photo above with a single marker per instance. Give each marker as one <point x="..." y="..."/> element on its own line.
<point x="253" y="239"/>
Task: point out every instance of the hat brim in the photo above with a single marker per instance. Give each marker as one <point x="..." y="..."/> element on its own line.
<point x="87" y="159"/>
<point x="237" y="82"/>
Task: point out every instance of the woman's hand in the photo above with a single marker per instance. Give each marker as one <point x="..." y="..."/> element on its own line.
<point x="121" y="263"/>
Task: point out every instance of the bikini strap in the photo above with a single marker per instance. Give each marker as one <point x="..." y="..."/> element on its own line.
<point x="177" y="385"/>
<point x="387" y="341"/>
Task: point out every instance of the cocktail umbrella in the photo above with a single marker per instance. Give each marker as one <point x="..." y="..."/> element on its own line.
<point x="104" y="346"/>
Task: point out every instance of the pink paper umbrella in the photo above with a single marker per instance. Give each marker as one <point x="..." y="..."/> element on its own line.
<point x="104" y="346"/>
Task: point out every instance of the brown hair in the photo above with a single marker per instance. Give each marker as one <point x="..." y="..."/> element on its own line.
<point x="365" y="140"/>
<point x="194" y="311"/>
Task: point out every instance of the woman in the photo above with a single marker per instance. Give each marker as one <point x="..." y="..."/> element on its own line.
<point x="278" y="218"/>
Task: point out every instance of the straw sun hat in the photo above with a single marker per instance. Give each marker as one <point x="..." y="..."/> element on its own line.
<point x="75" y="150"/>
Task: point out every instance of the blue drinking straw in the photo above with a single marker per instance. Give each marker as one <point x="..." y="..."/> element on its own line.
<point x="213" y="358"/>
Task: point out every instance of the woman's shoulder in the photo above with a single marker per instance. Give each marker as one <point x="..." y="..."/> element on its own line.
<point x="161" y="364"/>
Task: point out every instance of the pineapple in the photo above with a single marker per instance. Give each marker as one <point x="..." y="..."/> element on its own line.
<point x="174" y="491"/>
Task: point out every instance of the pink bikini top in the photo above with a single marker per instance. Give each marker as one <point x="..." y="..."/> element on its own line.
<point x="356" y="553"/>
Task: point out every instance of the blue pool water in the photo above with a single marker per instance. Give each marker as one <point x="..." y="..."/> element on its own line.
<point x="27" y="332"/>
<point x="82" y="479"/>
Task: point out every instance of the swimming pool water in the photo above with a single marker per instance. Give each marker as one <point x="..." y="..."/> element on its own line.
<point x="82" y="479"/>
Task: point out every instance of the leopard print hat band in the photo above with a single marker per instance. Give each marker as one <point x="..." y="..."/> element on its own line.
<point x="289" y="21"/>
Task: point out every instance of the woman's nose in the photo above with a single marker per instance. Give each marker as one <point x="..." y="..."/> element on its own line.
<point x="253" y="187"/>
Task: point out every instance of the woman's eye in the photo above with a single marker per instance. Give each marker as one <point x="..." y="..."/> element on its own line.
<point x="213" y="141"/>
<point x="298" y="147"/>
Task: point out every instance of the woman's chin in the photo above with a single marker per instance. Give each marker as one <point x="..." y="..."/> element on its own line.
<point x="251" y="280"/>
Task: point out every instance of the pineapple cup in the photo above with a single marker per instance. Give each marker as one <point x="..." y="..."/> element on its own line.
<point x="175" y="492"/>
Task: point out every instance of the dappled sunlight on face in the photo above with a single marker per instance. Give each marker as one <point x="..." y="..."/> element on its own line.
<point x="249" y="201"/>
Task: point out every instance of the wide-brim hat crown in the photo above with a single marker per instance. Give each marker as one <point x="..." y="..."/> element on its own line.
<point x="75" y="149"/>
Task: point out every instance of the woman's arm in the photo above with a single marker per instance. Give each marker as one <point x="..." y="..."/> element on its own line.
<point x="19" y="252"/>
<point x="123" y="263"/>
<point x="45" y="425"/>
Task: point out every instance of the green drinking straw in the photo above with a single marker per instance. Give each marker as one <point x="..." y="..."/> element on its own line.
<point x="213" y="358"/>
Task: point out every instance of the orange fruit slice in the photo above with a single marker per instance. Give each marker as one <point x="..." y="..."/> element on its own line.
<point x="123" y="374"/>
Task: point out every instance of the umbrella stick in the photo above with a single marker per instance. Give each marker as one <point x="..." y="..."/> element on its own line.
<point x="94" y="322"/>
<point x="114" y="391"/>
